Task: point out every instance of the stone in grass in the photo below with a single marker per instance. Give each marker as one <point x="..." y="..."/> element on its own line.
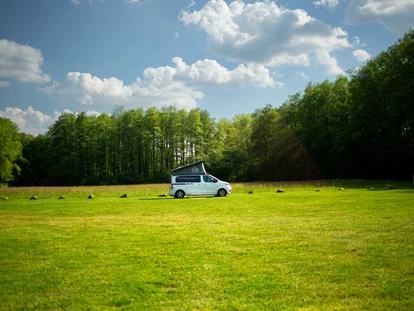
<point x="33" y="198"/>
<point x="162" y="195"/>
<point x="280" y="190"/>
<point x="250" y="192"/>
<point x="91" y="196"/>
<point x="61" y="197"/>
<point x="124" y="195"/>
<point x="341" y="189"/>
<point x="5" y="198"/>
<point x="317" y="190"/>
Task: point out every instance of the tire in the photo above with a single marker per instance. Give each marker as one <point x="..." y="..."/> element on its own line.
<point x="179" y="194"/>
<point x="221" y="193"/>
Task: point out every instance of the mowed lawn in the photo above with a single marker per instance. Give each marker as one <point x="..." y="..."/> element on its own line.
<point x="350" y="249"/>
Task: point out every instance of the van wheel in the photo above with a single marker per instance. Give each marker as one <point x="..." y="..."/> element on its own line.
<point x="179" y="194"/>
<point x="221" y="193"/>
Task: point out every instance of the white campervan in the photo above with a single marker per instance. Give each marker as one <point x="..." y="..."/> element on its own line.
<point x="192" y="180"/>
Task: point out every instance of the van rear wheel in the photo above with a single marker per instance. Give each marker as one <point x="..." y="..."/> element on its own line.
<point x="221" y="193"/>
<point x="179" y="194"/>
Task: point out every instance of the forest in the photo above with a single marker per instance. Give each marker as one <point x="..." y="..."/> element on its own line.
<point x="357" y="126"/>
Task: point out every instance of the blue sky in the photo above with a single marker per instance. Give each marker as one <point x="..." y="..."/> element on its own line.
<point x="227" y="57"/>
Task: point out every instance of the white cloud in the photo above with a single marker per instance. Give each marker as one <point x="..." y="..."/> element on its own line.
<point x="279" y="84"/>
<point x="330" y="63"/>
<point x="192" y="3"/>
<point x="276" y="74"/>
<point x="264" y="33"/>
<point x="4" y="83"/>
<point x="89" y="113"/>
<point x="160" y="86"/>
<point x="132" y="1"/>
<point x="396" y="16"/>
<point x="361" y="55"/>
<point x="21" y="62"/>
<point x="303" y="75"/>
<point x="77" y="2"/>
<point x="29" y="120"/>
<point x="209" y="73"/>
<point x="326" y="3"/>
<point x="35" y="122"/>
<point x="177" y="34"/>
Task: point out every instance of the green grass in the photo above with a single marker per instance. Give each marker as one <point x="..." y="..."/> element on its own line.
<point x="350" y="249"/>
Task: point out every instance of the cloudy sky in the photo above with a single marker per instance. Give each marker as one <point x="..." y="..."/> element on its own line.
<point x="227" y="57"/>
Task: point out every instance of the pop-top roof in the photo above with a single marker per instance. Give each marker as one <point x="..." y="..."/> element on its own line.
<point x="195" y="168"/>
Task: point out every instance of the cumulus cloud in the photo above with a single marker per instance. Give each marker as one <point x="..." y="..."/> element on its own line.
<point x="209" y="73"/>
<point x="21" y="62"/>
<point x="4" y="83"/>
<point x="264" y="33"/>
<point x="361" y="55"/>
<point x="160" y="86"/>
<point x="35" y="122"/>
<point x="29" y="120"/>
<point x="330" y="63"/>
<point x="396" y="16"/>
<point x="326" y="3"/>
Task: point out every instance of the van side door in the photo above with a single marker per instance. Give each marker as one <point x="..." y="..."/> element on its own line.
<point x="209" y="185"/>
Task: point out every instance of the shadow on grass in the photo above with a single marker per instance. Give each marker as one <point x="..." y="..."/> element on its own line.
<point x="400" y="189"/>
<point x="185" y="198"/>
<point x="154" y="199"/>
<point x="389" y="188"/>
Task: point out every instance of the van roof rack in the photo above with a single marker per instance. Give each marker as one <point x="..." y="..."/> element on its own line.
<point x="195" y="168"/>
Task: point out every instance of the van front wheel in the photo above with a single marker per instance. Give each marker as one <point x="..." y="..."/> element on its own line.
<point x="221" y="193"/>
<point x="179" y="194"/>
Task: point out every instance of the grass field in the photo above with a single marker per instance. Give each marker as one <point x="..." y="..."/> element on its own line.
<point x="350" y="249"/>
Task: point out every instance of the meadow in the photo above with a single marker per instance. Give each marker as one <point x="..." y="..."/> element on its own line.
<point x="328" y="245"/>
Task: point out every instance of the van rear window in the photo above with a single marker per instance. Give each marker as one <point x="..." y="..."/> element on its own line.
<point x="187" y="179"/>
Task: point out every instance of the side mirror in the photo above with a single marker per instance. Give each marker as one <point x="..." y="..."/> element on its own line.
<point x="214" y="180"/>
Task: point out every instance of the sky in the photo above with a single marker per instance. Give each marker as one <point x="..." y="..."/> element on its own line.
<point x="226" y="57"/>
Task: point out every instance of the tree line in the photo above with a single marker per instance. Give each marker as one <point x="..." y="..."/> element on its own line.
<point x="126" y="147"/>
<point x="358" y="126"/>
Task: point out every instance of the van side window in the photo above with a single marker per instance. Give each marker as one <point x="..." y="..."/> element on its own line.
<point x="187" y="178"/>
<point x="208" y="178"/>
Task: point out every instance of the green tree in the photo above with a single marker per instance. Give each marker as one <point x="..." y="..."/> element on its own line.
<point x="382" y="112"/>
<point x="152" y="139"/>
<point x="10" y="150"/>
<point x="263" y="149"/>
<point x="63" y="161"/>
<point x="102" y="131"/>
<point x="231" y="159"/>
<point x="276" y="151"/>
<point x="194" y="136"/>
<point x="35" y="167"/>
<point x="169" y="125"/>
<point x="84" y="153"/>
